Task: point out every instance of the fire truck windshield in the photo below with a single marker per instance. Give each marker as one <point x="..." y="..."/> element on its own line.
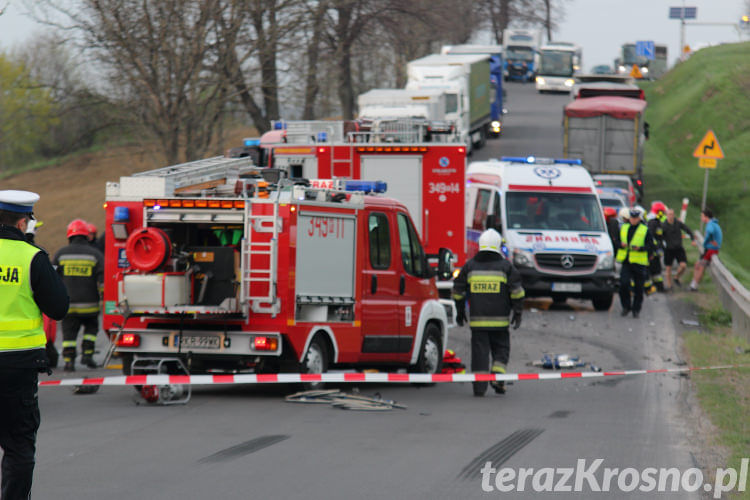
<point x="554" y="211"/>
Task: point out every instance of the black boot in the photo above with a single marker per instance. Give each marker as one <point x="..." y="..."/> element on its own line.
<point x="499" y="387"/>
<point x="89" y="362"/>
<point x="70" y="365"/>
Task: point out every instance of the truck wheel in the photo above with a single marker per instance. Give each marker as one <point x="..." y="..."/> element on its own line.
<point x="430" y="358"/>
<point x="316" y="361"/>
<point x="603" y="302"/>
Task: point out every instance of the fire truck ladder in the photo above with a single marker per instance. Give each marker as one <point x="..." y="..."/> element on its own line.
<point x="267" y="251"/>
<point x="304" y="131"/>
<point x="205" y="174"/>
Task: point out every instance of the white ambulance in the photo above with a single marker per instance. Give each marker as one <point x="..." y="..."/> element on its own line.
<point x="551" y="219"/>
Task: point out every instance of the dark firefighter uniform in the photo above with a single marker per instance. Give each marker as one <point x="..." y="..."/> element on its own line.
<point x="82" y="269"/>
<point x="493" y="289"/>
<point x="29" y="287"/>
<point x="636" y="243"/>
<point x="654" y="262"/>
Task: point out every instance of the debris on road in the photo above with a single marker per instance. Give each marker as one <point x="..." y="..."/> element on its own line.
<point x="345" y="401"/>
<point x="559" y="361"/>
<point x="690" y="322"/>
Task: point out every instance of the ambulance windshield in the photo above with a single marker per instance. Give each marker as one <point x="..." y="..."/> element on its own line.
<point x="554" y="211"/>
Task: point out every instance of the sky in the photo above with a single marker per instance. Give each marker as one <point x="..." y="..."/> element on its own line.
<point x="599" y="26"/>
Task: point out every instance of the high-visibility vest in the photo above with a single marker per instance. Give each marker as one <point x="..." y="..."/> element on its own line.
<point x="21" y="324"/>
<point x="639" y="240"/>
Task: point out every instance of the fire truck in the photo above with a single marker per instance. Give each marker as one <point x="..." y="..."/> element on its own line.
<point x="427" y="177"/>
<point x="210" y="263"/>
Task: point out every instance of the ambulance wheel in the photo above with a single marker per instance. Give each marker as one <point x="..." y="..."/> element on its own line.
<point x="431" y="351"/>
<point x="316" y="361"/>
<point x="603" y="302"/>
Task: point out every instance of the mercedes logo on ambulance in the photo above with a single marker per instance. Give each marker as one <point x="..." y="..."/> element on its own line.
<point x="567" y="261"/>
<point x="547" y="172"/>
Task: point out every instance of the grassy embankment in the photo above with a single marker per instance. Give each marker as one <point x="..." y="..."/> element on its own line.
<point x="711" y="90"/>
<point x="724" y="395"/>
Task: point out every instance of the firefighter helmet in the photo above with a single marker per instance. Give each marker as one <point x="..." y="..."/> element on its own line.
<point x="490" y="241"/>
<point x="624" y="213"/>
<point x="78" y="227"/>
<point x="657" y="207"/>
<point x="610" y="213"/>
<point x="92" y="228"/>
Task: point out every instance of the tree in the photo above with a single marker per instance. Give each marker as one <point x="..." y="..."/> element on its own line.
<point x="26" y="114"/>
<point x="154" y="55"/>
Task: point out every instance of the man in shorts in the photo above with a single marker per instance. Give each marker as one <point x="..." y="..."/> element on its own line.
<point x="672" y="229"/>
<point x="711" y="245"/>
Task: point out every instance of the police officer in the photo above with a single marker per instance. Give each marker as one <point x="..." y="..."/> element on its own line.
<point x="29" y="287"/>
<point x="636" y="243"/>
<point x="493" y="288"/>
<point x="82" y="268"/>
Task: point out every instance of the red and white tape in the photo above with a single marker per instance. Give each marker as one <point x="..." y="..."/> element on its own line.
<point x="379" y="378"/>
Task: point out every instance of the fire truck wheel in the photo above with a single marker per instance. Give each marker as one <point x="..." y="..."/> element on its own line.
<point x="431" y="352"/>
<point x="316" y="361"/>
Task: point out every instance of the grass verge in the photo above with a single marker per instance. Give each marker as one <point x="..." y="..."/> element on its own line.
<point x="724" y="395"/>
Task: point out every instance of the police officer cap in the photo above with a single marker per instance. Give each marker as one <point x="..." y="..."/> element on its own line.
<point x="634" y="212"/>
<point x="22" y="202"/>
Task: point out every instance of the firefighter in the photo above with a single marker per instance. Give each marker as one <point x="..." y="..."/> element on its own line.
<point x="636" y="243"/>
<point x="96" y="242"/>
<point x="29" y="288"/>
<point x="656" y="219"/>
<point x="82" y="268"/>
<point x="613" y="226"/>
<point x="493" y="289"/>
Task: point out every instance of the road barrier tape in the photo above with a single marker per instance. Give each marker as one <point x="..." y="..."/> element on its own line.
<point x="338" y="378"/>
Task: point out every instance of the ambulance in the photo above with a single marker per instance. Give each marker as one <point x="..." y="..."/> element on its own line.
<point x="210" y="263"/>
<point x="551" y="219"/>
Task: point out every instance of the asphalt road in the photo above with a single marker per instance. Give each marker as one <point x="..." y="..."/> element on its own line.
<point x="246" y="442"/>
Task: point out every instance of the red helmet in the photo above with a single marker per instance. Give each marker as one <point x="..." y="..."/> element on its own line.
<point x="657" y="207"/>
<point x="91" y="227"/>
<point x="610" y="213"/>
<point x="78" y="227"/>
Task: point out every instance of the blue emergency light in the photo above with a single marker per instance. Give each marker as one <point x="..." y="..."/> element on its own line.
<point x="280" y="125"/>
<point x="547" y="161"/>
<point x="366" y="186"/>
<point x="251" y="142"/>
<point x="122" y="214"/>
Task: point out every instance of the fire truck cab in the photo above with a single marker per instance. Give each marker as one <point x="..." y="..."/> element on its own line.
<point x="551" y="220"/>
<point x="210" y="263"/>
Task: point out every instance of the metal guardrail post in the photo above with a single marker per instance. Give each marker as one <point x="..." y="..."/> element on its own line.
<point x="734" y="296"/>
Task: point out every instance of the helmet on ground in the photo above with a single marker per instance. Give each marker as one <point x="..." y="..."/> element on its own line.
<point x="490" y="241"/>
<point x="77" y="227"/>
<point x="610" y="213"/>
<point x="624" y="213"/>
<point x="657" y="207"/>
<point x="92" y="228"/>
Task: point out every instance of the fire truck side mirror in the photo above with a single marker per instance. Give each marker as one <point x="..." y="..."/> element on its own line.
<point x="445" y="264"/>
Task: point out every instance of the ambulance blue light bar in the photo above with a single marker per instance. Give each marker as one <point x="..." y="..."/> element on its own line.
<point x="366" y="186"/>
<point x="543" y="161"/>
<point x="252" y="142"/>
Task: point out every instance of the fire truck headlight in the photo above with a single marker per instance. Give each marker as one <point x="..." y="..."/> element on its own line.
<point x="644" y="70"/>
<point x="621" y="69"/>
<point x="540" y="80"/>
<point x="569" y="82"/>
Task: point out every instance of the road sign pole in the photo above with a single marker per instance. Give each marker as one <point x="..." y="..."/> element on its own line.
<point x="705" y="193"/>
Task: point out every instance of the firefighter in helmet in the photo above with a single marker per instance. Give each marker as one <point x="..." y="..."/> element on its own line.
<point x="656" y="218"/>
<point x="82" y="269"/>
<point x="492" y="286"/>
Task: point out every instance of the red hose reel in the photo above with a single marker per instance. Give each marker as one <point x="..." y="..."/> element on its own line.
<point x="148" y="249"/>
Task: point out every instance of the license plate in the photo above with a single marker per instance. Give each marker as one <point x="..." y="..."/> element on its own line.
<point x="566" y="287"/>
<point x="200" y="341"/>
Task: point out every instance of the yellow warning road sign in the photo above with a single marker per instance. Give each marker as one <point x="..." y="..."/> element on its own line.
<point x="636" y="72"/>
<point x="707" y="162"/>
<point x="709" y="147"/>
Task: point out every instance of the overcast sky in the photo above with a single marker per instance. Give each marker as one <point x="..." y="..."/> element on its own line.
<point x="599" y="26"/>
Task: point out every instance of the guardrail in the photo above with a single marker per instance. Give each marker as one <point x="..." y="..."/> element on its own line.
<point x="734" y="296"/>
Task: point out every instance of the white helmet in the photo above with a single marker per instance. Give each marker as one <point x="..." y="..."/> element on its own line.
<point x="624" y="213"/>
<point x="490" y="241"/>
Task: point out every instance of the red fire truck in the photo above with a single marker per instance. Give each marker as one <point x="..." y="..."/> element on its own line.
<point x="209" y="263"/>
<point x="427" y="177"/>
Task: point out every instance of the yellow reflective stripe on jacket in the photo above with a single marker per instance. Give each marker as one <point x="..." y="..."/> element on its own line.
<point x="83" y="309"/>
<point x="488" y="324"/>
<point x="459" y="296"/>
<point x="21" y="324"/>
<point x="486" y="281"/>
<point x="517" y="294"/>
<point x="26" y="342"/>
